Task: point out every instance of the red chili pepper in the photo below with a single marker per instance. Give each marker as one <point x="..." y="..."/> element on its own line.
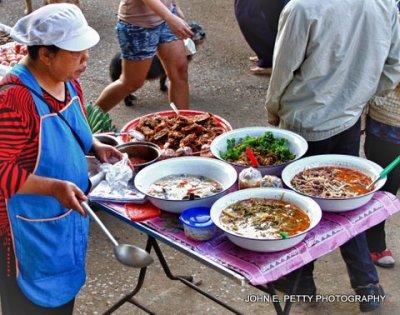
<point x="252" y="157"/>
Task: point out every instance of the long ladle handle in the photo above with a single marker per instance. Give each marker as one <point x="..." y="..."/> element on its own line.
<point x="390" y="167"/>
<point x="89" y="210"/>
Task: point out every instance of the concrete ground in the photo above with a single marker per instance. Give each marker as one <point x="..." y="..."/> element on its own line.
<point x="220" y="82"/>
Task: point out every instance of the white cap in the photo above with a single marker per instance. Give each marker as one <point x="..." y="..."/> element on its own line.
<point x="60" y="24"/>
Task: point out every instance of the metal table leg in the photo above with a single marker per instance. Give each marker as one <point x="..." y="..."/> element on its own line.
<point x="129" y="298"/>
<point x="269" y="289"/>
<point x="187" y="280"/>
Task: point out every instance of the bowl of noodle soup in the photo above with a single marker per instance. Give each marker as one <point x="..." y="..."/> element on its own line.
<point x="336" y="182"/>
<point x="265" y="219"/>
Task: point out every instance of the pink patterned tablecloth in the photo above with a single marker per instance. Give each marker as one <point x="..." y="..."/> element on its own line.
<point x="260" y="268"/>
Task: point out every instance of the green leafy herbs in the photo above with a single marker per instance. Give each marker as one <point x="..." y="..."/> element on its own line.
<point x="98" y="120"/>
<point x="266" y="145"/>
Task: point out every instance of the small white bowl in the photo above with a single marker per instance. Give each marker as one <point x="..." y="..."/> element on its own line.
<point x="306" y="204"/>
<point x="297" y="145"/>
<point x="214" y="169"/>
<point x="337" y="204"/>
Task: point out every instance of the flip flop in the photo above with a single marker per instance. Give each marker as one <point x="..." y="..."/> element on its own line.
<point x="261" y="71"/>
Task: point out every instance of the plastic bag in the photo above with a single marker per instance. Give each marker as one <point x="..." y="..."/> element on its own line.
<point x="271" y="181"/>
<point x="118" y="175"/>
<point x="249" y="178"/>
<point x="190" y="47"/>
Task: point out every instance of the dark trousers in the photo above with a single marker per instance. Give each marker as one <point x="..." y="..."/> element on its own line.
<point x="258" y="22"/>
<point x="382" y="153"/>
<point x="355" y="252"/>
<point x="13" y="301"/>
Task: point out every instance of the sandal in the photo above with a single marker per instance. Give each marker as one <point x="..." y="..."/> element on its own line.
<point x="383" y="259"/>
<point x="261" y="71"/>
<point x="254" y="59"/>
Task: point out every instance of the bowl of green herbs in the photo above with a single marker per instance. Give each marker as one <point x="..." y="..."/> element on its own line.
<point x="267" y="149"/>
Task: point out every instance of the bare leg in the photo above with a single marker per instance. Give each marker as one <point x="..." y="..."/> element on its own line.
<point x="28" y="6"/>
<point x="132" y="78"/>
<point x="175" y="62"/>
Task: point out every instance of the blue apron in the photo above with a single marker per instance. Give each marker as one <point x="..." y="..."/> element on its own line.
<point x="49" y="240"/>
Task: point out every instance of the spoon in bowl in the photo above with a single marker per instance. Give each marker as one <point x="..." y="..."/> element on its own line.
<point x="385" y="171"/>
<point x="174" y="108"/>
<point x="132" y="133"/>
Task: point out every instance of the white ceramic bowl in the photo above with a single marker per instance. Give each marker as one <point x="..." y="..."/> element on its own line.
<point x="336" y="205"/>
<point x="264" y="244"/>
<point x="217" y="170"/>
<point x="297" y="145"/>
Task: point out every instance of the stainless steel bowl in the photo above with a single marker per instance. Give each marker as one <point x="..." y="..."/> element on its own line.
<point x="107" y="139"/>
<point x="141" y="149"/>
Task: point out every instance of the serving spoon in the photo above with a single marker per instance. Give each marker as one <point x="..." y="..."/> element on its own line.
<point x="133" y="133"/>
<point x="128" y="255"/>
<point x="385" y="171"/>
<point x="174" y="108"/>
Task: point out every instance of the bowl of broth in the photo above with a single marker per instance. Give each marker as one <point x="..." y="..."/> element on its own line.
<point x="265" y="219"/>
<point x="180" y="183"/>
<point x="336" y="182"/>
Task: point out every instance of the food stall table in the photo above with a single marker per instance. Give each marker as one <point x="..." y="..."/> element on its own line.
<point x="247" y="267"/>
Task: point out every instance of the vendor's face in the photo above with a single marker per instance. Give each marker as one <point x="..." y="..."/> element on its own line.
<point x="68" y="65"/>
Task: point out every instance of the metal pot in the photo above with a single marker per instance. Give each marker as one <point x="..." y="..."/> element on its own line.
<point x="141" y="149"/>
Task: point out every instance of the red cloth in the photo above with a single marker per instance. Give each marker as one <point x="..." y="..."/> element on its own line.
<point x="19" y="141"/>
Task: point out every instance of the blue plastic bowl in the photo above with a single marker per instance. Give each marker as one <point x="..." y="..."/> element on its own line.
<point x="197" y="223"/>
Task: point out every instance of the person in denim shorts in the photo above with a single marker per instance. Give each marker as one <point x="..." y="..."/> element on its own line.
<point x="146" y="28"/>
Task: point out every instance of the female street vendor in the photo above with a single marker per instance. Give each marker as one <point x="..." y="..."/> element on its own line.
<point x="43" y="169"/>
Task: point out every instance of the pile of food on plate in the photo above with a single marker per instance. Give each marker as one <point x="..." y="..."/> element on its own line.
<point x="331" y="182"/>
<point x="264" y="218"/>
<point x="257" y="151"/>
<point x="181" y="135"/>
<point x="12" y="53"/>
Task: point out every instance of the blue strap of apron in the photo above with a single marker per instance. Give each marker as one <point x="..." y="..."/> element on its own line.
<point x="29" y="80"/>
<point x="42" y="106"/>
<point x="71" y="90"/>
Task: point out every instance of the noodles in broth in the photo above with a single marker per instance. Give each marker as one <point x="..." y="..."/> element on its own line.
<point x="331" y="182"/>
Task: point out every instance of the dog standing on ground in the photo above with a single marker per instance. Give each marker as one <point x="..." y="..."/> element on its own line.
<point x="156" y="69"/>
<point x="29" y="8"/>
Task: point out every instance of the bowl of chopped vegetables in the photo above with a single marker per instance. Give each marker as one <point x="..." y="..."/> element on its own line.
<point x="267" y="149"/>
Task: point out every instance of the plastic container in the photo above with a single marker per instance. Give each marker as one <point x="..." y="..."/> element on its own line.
<point x="197" y="223"/>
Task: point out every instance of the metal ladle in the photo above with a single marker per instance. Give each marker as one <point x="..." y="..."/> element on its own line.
<point x="128" y="255"/>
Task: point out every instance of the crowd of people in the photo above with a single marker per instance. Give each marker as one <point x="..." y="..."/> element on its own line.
<point x="328" y="61"/>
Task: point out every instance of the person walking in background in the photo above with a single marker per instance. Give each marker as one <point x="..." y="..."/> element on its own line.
<point x="258" y="22"/>
<point x="382" y="146"/>
<point x="146" y="28"/>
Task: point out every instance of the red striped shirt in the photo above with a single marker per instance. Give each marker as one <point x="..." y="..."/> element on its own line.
<point x="19" y="140"/>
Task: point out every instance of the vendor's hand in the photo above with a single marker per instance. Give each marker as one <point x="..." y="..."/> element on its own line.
<point x="69" y="195"/>
<point x="179" y="27"/>
<point x="106" y="153"/>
